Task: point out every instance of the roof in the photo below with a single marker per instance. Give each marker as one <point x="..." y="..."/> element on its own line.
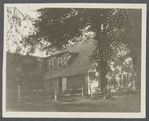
<point x="59" y="53"/>
<point x="81" y="64"/>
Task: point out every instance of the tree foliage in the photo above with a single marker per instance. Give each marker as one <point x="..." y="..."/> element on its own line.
<point x="18" y="27"/>
<point x="25" y="68"/>
<point x="121" y="68"/>
<point x="58" y="25"/>
<point x="55" y="26"/>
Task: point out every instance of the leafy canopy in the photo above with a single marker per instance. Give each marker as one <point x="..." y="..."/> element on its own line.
<point x="25" y="68"/>
<point x="121" y="67"/>
<point x="58" y="25"/>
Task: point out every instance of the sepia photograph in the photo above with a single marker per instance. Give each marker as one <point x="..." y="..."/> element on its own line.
<point x="74" y="60"/>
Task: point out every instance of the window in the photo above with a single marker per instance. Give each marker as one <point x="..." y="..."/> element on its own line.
<point x="65" y="62"/>
<point x="60" y="62"/>
<point x="42" y="65"/>
<point x="51" y="64"/>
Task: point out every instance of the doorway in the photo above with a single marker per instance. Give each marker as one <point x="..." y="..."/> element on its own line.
<point x="60" y="85"/>
<point x="64" y="84"/>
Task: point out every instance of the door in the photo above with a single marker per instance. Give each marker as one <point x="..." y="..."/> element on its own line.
<point x="59" y="85"/>
<point x="64" y="84"/>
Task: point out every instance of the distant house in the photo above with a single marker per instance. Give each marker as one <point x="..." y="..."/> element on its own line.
<point x="72" y="68"/>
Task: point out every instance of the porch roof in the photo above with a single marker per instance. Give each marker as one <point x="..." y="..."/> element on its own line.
<point x="66" y="72"/>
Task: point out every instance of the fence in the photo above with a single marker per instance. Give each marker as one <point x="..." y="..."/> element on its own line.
<point x="18" y="94"/>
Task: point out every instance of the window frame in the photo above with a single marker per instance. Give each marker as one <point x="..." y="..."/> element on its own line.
<point x="42" y="64"/>
<point x="51" y="64"/>
<point x="58" y="62"/>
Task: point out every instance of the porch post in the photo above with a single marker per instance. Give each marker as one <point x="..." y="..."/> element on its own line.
<point x="57" y="86"/>
<point x="134" y="85"/>
<point x="56" y="89"/>
<point x="55" y="94"/>
<point x="82" y="91"/>
<point x="91" y="90"/>
<point x="19" y="93"/>
<point x="88" y="83"/>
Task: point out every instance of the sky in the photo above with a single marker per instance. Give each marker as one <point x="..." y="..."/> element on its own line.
<point x="31" y="11"/>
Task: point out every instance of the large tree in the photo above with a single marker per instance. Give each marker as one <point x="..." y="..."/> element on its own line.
<point x="58" y="25"/>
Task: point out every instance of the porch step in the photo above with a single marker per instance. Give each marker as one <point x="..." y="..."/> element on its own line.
<point x="72" y="92"/>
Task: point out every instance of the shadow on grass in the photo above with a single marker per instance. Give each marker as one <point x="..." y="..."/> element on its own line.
<point x="129" y="102"/>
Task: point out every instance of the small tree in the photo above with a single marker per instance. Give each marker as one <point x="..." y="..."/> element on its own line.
<point x="27" y="68"/>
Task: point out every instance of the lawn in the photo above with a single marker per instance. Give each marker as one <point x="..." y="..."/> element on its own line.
<point x="118" y="103"/>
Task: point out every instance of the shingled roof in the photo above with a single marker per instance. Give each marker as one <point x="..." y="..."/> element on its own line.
<point x="80" y="65"/>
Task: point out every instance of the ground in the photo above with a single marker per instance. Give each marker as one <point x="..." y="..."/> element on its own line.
<point x="118" y="103"/>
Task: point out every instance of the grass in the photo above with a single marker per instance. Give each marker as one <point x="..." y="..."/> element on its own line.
<point x="118" y="103"/>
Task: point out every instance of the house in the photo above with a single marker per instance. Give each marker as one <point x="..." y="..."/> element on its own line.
<point x="68" y="69"/>
<point x="65" y="70"/>
<point x="72" y="68"/>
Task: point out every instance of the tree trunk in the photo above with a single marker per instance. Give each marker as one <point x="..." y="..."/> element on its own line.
<point x="103" y="66"/>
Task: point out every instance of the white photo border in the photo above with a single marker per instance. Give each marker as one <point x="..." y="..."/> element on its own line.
<point x="141" y="114"/>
